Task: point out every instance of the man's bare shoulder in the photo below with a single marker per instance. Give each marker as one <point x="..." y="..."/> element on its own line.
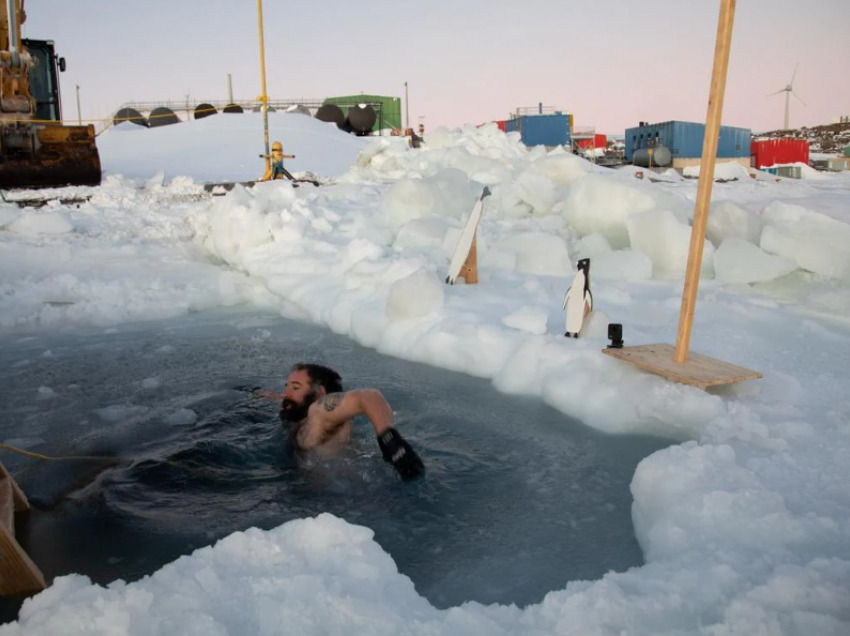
<point x="329" y="402"/>
<point x="326" y="408"/>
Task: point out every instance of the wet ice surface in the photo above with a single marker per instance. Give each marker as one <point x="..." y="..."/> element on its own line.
<point x="518" y="499"/>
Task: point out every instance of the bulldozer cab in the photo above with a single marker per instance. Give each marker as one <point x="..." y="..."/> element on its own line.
<point x="44" y="79"/>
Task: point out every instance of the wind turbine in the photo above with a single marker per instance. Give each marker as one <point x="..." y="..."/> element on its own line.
<point x="788" y="90"/>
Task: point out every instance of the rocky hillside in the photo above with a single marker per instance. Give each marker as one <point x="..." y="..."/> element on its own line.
<point x="831" y="138"/>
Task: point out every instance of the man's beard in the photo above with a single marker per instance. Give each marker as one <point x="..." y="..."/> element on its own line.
<point x="293" y="412"/>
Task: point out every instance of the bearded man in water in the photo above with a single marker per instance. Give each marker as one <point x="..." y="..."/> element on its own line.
<point x="319" y="413"/>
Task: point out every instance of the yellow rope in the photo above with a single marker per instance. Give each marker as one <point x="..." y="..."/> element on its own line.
<point x="45" y="458"/>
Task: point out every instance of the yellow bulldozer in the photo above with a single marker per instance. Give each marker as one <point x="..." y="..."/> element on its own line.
<point x="36" y="149"/>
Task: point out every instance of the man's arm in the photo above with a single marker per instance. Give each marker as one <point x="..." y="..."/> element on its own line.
<point x="335" y="409"/>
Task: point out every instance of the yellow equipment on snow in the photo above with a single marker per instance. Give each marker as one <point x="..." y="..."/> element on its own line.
<point x="36" y="149"/>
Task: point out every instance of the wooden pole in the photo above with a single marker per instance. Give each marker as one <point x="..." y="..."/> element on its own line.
<point x="709" y="158"/>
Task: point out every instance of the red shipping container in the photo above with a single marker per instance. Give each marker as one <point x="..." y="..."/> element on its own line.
<point x="598" y="141"/>
<point x="770" y="152"/>
<point x="501" y="124"/>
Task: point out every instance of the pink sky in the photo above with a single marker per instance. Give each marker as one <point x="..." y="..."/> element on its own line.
<point x="611" y="63"/>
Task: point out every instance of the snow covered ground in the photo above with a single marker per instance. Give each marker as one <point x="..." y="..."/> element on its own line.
<point x="745" y="524"/>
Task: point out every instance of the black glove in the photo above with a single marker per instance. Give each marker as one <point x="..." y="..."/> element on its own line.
<point x="398" y="452"/>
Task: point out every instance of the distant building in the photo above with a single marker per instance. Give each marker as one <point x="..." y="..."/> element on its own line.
<point x="596" y="141"/>
<point x="678" y="144"/>
<point x="387" y="108"/>
<point x="771" y="152"/>
<point x="548" y="129"/>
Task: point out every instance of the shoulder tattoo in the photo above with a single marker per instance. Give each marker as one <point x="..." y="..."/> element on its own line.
<point x="331" y="401"/>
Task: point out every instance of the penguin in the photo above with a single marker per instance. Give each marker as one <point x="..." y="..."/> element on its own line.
<point x="578" y="301"/>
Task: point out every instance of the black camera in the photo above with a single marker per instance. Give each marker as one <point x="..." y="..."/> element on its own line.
<point x="615" y="335"/>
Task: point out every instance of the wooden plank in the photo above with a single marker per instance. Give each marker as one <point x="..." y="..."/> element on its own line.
<point x="18" y="495"/>
<point x="701" y="371"/>
<point x="18" y="574"/>
<point x="469" y="271"/>
<point x="7" y="505"/>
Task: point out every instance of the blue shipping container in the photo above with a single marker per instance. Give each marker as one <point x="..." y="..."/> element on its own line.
<point x="684" y="140"/>
<point x="541" y="130"/>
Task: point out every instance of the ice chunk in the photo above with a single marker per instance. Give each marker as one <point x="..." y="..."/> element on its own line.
<point x="414" y="296"/>
<point x="666" y="241"/>
<point x="538" y="253"/>
<point x="427" y="232"/>
<point x="816" y="242"/>
<point x="449" y="192"/>
<point x="739" y="261"/>
<point x="530" y="319"/>
<point x="593" y="244"/>
<point x="562" y="168"/>
<point x="728" y="220"/>
<point x="408" y="199"/>
<point x="621" y="265"/>
<point x="602" y="204"/>
<point x="538" y="191"/>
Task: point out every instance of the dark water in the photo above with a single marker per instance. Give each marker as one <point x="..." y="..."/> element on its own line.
<point x="518" y="499"/>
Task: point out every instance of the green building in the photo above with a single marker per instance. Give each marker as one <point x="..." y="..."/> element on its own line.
<point x="388" y="115"/>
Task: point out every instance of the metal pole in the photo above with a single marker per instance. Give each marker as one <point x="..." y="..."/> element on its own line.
<point x="406" y="110"/>
<point x="706" y="176"/>
<point x="12" y="9"/>
<point x="264" y="98"/>
<point x="229" y="90"/>
<point x="79" y="112"/>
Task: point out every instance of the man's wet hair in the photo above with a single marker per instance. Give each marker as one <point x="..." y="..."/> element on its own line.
<point x="320" y="376"/>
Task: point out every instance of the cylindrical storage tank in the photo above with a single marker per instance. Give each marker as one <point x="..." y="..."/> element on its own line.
<point x="298" y="108"/>
<point x="162" y="116"/>
<point x="659" y="157"/>
<point x="331" y="113"/>
<point x="131" y="115"/>
<point x="361" y="117"/>
<point x="232" y="108"/>
<point x="204" y="110"/>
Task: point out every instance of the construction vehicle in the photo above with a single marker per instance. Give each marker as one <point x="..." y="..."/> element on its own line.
<point x="36" y="149"/>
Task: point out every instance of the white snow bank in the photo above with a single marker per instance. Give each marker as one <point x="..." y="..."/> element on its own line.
<point x="226" y="147"/>
<point x="723" y="171"/>
<point x="324" y="576"/>
<point x="34" y="223"/>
